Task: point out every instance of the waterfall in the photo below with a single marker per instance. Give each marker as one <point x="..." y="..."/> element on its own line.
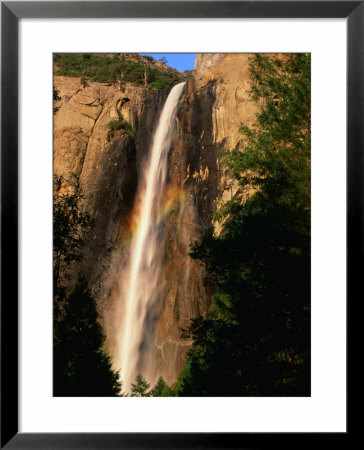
<point x="142" y="282"/>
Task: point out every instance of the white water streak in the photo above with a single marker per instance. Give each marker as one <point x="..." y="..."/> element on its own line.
<point x="145" y="262"/>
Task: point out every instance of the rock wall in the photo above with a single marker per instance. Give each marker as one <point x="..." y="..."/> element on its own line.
<point x="107" y="172"/>
<point x="214" y="103"/>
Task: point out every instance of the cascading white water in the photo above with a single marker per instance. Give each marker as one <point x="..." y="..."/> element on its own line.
<point x="143" y="273"/>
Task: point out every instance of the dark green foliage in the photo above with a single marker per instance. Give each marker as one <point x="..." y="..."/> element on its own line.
<point x="256" y="340"/>
<point x="149" y="58"/>
<point x="56" y="98"/>
<point x="82" y="367"/>
<point x="158" y="84"/>
<point x="276" y="158"/>
<point x="119" y="124"/>
<point x="188" y="73"/>
<point x="71" y="228"/>
<point x="161" y="389"/>
<point x="140" y="387"/>
<point x="105" y="69"/>
<point x="70" y="225"/>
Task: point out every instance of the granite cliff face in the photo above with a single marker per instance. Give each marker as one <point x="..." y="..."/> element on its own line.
<point x="213" y="104"/>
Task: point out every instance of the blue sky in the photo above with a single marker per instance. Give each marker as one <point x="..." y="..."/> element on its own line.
<point x="179" y="61"/>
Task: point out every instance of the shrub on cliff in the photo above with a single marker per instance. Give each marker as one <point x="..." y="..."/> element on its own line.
<point x="56" y="98"/>
<point x="119" y="124"/>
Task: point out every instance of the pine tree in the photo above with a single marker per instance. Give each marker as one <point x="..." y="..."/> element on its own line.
<point x="82" y="366"/>
<point x="140" y="387"/>
<point x="161" y="389"/>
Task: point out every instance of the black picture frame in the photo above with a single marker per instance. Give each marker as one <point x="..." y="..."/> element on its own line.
<point x="11" y="12"/>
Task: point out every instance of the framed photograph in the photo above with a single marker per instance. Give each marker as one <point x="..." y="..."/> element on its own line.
<point x="180" y="221"/>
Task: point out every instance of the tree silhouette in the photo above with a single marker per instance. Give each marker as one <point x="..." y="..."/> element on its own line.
<point x="140" y="387"/>
<point x="71" y="229"/>
<point x="82" y="367"/>
<point x="256" y="339"/>
<point x="161" y="389"/>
